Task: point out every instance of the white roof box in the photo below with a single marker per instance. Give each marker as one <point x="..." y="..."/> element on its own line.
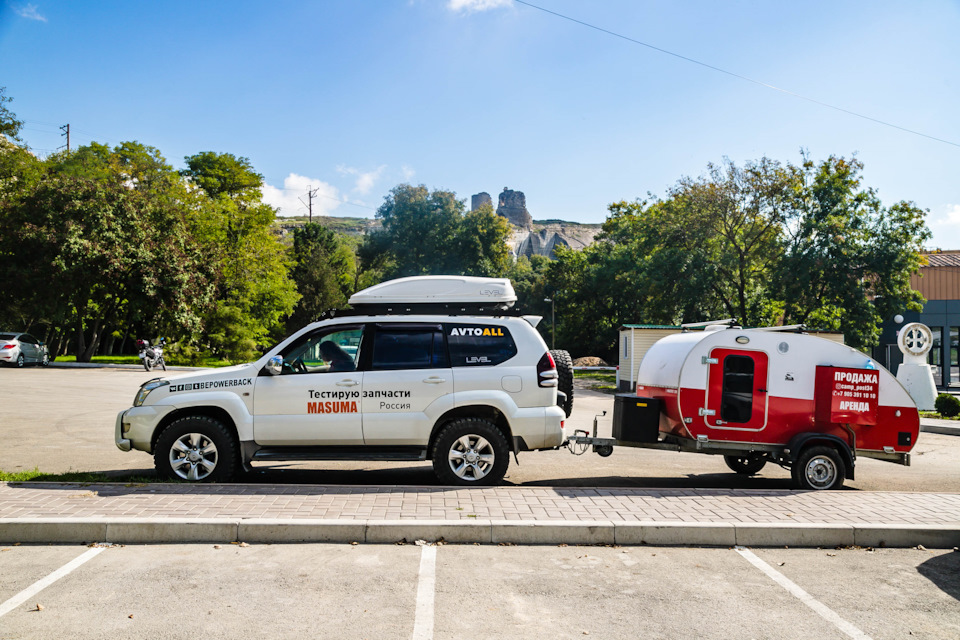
<point x="439" y="290"/>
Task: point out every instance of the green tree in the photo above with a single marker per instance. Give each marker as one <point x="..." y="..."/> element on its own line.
<point x="224" y="174"/>
<point x="10" y="125"/>
<point x="233" y="226"/>
<point x="324" y="272"/>
<point x="97" y="243"/>
<point x="764" y="243"/>
<point x="848" y="259"/>
<point x="429" y="232"/>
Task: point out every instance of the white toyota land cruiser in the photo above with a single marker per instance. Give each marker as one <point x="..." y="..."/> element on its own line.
<point x="434" y="368"/>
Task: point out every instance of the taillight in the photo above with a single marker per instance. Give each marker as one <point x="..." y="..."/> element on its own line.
<point x="8" y="346"/>
<point x="547" y="371"/>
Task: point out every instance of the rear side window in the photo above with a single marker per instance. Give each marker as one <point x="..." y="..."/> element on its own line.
<point x="477" y="345"/>
<point x="409" y="349"/>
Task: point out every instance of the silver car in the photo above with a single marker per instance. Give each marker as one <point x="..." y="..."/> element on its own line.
<point x="21" y="349"/>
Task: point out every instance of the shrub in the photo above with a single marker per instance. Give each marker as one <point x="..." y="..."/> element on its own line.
<point x="947" y="405"/>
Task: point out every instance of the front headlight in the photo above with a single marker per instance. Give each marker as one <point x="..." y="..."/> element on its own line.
<point x="146" y="388"/>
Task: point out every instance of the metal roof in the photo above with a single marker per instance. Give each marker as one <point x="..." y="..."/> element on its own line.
<point x="649" y="326"/>
<point x="943" y="259"/>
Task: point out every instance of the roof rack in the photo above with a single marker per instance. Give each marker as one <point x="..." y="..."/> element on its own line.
<point x="425" y="308"/>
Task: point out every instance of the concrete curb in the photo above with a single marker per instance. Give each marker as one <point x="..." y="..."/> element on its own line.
<point x="942" y="430"/>
<point x="521" y="532"/>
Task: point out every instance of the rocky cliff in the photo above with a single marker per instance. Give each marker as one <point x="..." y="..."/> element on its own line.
<point x="543" y="237"/>
<point x="531" y="237"/>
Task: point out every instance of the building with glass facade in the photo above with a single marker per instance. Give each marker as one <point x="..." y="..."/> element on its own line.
<point x="939" y="283"/>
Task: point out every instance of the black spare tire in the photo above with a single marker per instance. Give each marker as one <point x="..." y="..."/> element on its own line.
<point x="564" y="377"/>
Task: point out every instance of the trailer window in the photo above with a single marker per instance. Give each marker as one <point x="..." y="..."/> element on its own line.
<point x="736" y="403"/>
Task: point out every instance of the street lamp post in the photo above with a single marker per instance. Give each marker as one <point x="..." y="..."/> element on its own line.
<point x="553" y="323"/>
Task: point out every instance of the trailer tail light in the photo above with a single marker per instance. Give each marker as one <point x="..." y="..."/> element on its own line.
<point x="547" y="371"/>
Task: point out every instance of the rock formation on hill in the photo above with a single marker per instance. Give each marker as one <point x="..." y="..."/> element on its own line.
<point x="513" y="207"/>
<point x="530" y="238"/>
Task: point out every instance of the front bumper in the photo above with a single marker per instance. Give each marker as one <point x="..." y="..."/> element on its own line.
<point x="122" y="443"/>
<point x="135" y="427"/>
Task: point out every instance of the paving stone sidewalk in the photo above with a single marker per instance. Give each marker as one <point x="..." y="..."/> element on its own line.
<point x="392" y="503"/>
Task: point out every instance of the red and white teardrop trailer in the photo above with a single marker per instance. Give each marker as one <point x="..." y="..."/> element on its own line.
<point x="766" y="395"/>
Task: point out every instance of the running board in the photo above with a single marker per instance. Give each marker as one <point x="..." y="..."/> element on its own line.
<point x="383" y="454"/>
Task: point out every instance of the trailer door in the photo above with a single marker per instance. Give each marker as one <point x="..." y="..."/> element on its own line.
<point x="737" y="390"/>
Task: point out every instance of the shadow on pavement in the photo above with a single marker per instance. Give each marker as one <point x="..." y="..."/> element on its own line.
<point x="943" y="571"/>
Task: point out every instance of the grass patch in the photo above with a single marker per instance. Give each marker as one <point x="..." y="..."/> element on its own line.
<point x="85" y="477"/>
<point x="173" y="362"/>
<point x="599" y="376"/>
<point x="934" y="414"/>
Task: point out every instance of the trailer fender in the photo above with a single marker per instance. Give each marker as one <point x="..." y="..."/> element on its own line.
<point x="803" y="440"/>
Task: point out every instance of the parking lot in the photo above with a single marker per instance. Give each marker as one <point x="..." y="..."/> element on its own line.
<point x="61" y="419"/>
<point x="452" y="591"/>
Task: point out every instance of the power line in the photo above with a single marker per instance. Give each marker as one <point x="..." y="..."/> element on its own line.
<point x="735" y="75"/>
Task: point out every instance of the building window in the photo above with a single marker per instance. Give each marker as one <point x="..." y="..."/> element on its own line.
<point x="935" y="357"/>
<point x="954" y="361"/>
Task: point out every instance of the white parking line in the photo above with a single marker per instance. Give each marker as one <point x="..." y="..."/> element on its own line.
<point x="426" y="587"/>
<point x="823" y="610"/>
<point x="43" y="583"/>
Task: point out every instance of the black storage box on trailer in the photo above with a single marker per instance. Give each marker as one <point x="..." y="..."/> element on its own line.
<point x="636" y="419"/>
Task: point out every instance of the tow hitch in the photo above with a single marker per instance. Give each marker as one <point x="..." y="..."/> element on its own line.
<point x="581" y="440"/>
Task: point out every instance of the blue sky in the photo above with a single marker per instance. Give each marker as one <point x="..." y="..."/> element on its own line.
<point x="354" y="97"/>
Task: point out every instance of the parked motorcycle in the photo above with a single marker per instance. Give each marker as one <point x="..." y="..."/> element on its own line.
<point x="152" y="356"/>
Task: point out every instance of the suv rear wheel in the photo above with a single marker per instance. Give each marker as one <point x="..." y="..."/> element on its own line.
<point x="196" y="449"/>
<point x="471" y="452"/>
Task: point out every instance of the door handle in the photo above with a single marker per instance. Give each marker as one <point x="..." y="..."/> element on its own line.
<point x="434" y="380"/>
<point x="347" y="383"/>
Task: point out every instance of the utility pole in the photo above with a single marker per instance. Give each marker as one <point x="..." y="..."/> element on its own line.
<point x="553" y="322"/>
<point x="66" y="132"/>
<point x="311" y="193"/>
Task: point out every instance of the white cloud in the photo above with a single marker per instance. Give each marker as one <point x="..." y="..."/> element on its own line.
<point x="291" y="197"/>
<point x="471" y="6"/>
<point x="944" y="222"/>
<point x="28" y="11"/>
<point x="407" y="173"/>
<point x="365" y="180"/>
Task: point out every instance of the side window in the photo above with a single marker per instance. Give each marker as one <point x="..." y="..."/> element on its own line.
<point x="324" y="351"/>
<point x="29" y="339"/>
<point x="409" y="349"/>
<point x="736" y="403"/>
<point x="477" y="345"/>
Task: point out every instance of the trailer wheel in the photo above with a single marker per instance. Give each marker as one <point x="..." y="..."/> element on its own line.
<point x="819" y="468"/>
<point x="745" y="465"/>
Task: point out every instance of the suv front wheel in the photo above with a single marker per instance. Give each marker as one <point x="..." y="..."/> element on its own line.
<point x="471" y="452"/>
<point x="196" y="449"/>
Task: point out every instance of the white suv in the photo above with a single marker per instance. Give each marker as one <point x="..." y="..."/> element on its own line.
<point x="427" y="368"/>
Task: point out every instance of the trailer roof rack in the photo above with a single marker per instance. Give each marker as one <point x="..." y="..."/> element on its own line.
<point x="730" y="322"/>
<point x="796" y="328"/>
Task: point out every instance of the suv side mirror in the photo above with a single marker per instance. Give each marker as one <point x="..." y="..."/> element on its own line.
<point x="274" y="365"/>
